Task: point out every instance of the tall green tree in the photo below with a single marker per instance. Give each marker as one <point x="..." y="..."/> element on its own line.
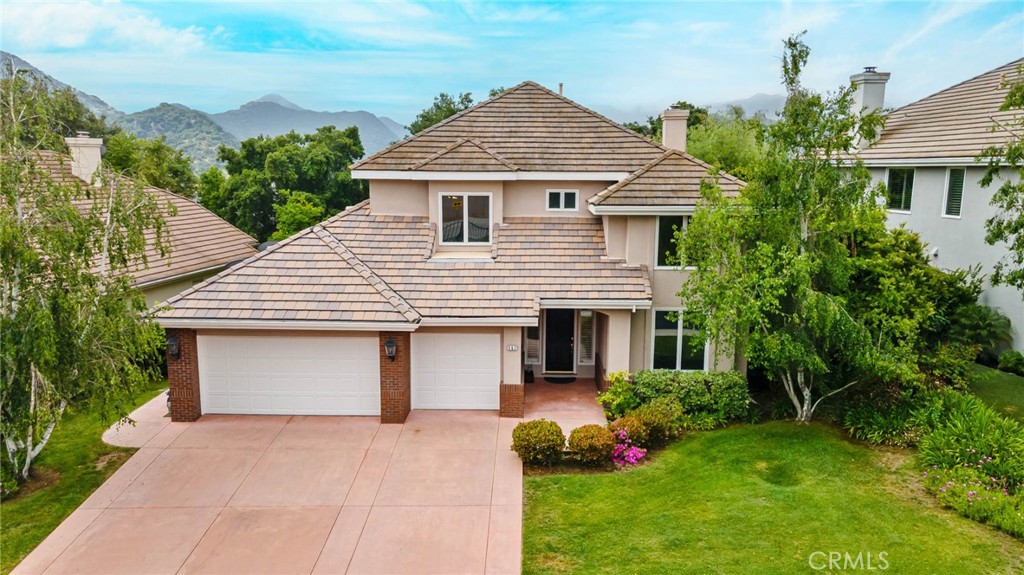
<point x="729" y="142"/>
<point x="299" y="211"/>
<point x="1008" y="223"/>
<point x="73" y="330"/>
<point x="445" y="106"/>
<point x="774" y="265"/>
<point x="260" y="171"/>
<point x="152" y="162"/>
<point x="652" y="127"/>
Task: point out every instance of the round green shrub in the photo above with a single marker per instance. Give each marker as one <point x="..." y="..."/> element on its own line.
<point x="662" y="416"/>
<point x="1012" y="361"/>
<point x="592" y="444"/>
<point x="539" y="442"/>
<point x="635" y="428"/>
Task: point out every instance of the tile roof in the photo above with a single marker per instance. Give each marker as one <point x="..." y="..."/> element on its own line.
<point x="466" y="155"/>
<point x="531" y="259"/>
<point x="954" y="123"/>
<point x="198" y="238"/>
<point x="529" y="127"/>
<point x="671" y="179"/>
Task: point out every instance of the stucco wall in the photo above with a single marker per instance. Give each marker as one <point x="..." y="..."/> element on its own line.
<point x="163" y="292"/>
<point x="530" y="198"/>
<point x="960" y="241"/>
<point x="397" y="197"/>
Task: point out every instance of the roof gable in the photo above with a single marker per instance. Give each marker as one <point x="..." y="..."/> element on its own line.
<point x="466" y="155"/>
<point x="954" y="123"/>
<point x="672" y="179"/>
<point x="529" y="127"/>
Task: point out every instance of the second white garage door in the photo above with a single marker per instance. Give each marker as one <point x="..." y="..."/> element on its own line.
<point x="455" y="371"/>
<point x="289" y="375"/>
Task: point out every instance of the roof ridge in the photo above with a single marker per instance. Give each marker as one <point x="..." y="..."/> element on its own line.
<point x="508" y="164"/>
<point x="360" y="267"/>
<point x="345" y="212"/>
<point x="458" y="144"/>
<point x="604" y="194"/>
<point x="443" y="122"/>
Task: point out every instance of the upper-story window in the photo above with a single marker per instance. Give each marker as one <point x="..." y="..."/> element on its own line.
<point x="563" y="200"/>
<point x="954" y="192"/>
<point x="901" y="188"/>
<point x="465" y="218"/>
<point x="666" y="249"/>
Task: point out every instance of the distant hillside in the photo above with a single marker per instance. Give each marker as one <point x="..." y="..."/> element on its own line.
<point x="768" y="104"/>
<point x="272" y="115"/>
<point x="186" y="129"/>
<point x="199" y="134"/>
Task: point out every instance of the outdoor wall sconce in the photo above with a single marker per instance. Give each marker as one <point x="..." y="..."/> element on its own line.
<point x="173" y="348"/>
<point x="390" y="348"/>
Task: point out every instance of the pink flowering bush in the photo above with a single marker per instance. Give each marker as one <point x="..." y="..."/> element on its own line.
<point x="979" y="496"/>
<point x="625" y="453"/>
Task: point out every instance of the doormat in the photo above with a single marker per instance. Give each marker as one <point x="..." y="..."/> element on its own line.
<point x="559" y="379"/>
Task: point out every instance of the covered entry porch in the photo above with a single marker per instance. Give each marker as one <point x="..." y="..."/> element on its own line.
<point x="570" y="405"/>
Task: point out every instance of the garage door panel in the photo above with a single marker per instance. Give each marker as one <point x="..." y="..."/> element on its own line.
<point x="290" y="375"/>
<point x="455" y="371"/>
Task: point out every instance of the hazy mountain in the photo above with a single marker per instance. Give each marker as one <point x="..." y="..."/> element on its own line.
<point x="183" y="128"/>
<point x="769" y="104"/>
<point x="199" y="134"/>
<point x="272" y="115"/>
<point x="94" y="104"/>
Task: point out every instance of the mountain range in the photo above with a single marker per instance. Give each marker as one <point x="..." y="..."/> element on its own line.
<point x="200" y="134"/>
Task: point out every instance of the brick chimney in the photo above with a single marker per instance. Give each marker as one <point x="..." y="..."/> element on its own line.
<point x="869" y="90"/>
<point x="673" y="128"/>
<point x="86" y="153"/>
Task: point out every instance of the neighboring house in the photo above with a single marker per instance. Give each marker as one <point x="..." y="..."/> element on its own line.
<point x="201" y="243"/>
<point x="526" y="235"/>
<point x="926" y="155"/>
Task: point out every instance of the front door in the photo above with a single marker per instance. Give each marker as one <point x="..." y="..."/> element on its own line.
<point x="559" y="332"/>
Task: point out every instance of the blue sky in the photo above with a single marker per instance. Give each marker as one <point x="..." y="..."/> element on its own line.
<point x="625" y="59"/>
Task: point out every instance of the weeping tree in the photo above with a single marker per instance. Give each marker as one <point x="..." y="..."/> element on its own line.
<point x="73" y="330"/>
<point x="774" y="265"/>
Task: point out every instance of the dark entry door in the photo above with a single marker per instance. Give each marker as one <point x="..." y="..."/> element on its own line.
<point x="559" y="332"/>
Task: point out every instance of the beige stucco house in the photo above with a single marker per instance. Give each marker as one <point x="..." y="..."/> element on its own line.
<point x="524" y="236"/>
<point x="201" y="243"/>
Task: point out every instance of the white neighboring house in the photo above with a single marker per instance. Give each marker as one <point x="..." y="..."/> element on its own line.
<point x="926" y="155"/>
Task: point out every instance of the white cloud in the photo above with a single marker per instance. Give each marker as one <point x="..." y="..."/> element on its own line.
<point x="946" y="12"/>
<point x="47" y="25"/>
<point x="795" y="18"/>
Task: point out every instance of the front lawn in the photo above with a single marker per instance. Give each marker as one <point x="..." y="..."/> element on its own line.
<point x="72" y="465"/>
<point x="754" y="499"/>
<point x="1004" y="392"/>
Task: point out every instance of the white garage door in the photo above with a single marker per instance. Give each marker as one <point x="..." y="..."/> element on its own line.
<point x="289" y="375"/>
<point x="455" y="371"/>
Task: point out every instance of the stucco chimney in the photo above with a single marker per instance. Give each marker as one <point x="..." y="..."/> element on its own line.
<point x="86" y="153"/>
<point x="673" y="128"/>
<point x="869" y="90"/>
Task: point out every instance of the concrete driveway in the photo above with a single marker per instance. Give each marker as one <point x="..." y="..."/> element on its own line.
<point x="266" y="494"/>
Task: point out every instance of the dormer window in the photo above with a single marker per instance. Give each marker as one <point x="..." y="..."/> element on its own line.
<point x="563" y="200"/>
<point x="466" y="218"/>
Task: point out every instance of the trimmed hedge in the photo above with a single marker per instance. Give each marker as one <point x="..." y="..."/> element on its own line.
<point x="592" y="444"/>
<point x="539" y="441"/>
<point x="720" y="395"/>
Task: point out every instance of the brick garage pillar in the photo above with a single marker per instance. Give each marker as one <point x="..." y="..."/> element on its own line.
<point x="183" y="376"/>
<point x="395" y="388"/>
<point x="510" y="400"/>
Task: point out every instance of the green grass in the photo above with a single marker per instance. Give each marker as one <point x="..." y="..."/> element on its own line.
<point x="754" y="499"/>
<point x="72" y="465"/>
<point x="1003" y="391"/>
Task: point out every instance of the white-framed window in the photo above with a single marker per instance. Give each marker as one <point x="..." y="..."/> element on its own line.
<point x="585" y="325"/>
<point x="952" y="203"/>
<point x="666" y="250"/>
<point x="465" y="218"/>
<point x="900" y="182"/>
<point x="563" y="200"/>
<point x="672" y="346"/>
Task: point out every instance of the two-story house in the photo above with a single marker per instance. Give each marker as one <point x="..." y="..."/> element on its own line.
<point x="927" y="157"/>
<point x="527" y="236"/>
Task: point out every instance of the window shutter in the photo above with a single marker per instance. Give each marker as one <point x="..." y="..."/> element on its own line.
<point x="586" y="350"/>
<point x="533" y="345"/>
<point x="955" y="191"/>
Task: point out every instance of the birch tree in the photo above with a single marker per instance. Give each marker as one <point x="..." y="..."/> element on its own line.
<point x="773" y="265"/>
<point x="73" y="330"/>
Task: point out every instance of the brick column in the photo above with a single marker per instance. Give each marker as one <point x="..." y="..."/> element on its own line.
<point x="510" y="400"/>
<point x="395" y="379"/>
<point x="183" y="376"/>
